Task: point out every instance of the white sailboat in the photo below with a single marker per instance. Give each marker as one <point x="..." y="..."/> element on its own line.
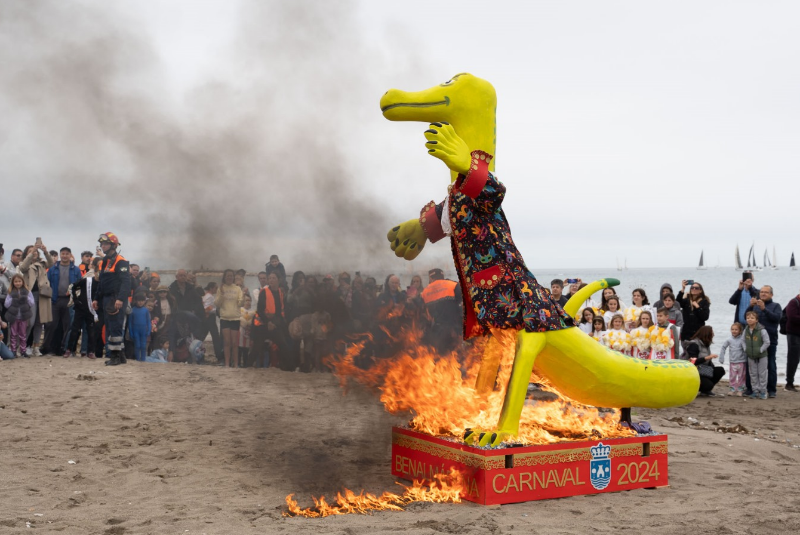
<point x="752" y="265"/>
<point x="619" y="268"/>
<point x="792" y="264"/>
<point x="774" y="259"/>
<point x="738" y="260"/>
<point x="701" y="266"/>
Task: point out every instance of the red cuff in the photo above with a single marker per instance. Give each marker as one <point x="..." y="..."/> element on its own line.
<point x="431" y="224"/>
<point x="478" y="175"/>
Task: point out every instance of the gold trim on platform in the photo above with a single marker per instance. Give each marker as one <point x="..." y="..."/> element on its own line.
<point x="521" y="459"/>
<point x="451" y="454"/>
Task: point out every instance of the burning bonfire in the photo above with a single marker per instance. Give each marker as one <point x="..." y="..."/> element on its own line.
<point x="438" y="392"/>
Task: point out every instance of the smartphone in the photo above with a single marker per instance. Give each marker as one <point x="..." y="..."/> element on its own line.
<point x="572" y="281"/>
<point x="689" y="282"/>
<point x="747" y="276"/>
<point x="38" y="242"/>
<point x="147" y="269"/>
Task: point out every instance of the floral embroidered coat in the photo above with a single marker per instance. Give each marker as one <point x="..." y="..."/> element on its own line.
<point x="497" y="288"/>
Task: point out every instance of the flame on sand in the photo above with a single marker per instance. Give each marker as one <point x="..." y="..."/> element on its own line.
<point x="438" y="392"/>
<point x="446" y="488"/>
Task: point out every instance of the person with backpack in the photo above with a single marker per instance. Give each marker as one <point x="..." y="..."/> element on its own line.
<point x="769" y="315"/>
<point x="790" y="326"/>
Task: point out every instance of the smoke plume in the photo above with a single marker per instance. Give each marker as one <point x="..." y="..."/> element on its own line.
<point x="256" y="161"/>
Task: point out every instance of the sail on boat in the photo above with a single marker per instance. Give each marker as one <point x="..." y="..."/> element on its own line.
<point x="774" y="259"/>
<point x="791" y="263"/>
<point x="752" y="265"/>
<point x="701" y="266"/>
<point x="738" y="265"/>
<point x="767" y="263"/>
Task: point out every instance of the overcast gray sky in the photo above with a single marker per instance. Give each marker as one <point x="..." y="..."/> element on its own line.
<point x="637" y="130"/>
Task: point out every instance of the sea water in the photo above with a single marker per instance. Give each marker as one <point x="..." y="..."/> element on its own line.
<point x="719" y="285"/>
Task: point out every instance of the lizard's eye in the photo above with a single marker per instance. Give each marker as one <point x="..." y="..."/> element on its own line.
<point x="448" y="82"/>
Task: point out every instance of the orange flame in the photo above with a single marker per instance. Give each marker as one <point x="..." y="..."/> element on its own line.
<point x="439" y="393"/>
<point x="447" y="488"/>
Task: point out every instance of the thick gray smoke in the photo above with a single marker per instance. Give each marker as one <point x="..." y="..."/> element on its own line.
<point x="249" y="164"/>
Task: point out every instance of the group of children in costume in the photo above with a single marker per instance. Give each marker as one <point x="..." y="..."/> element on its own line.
<point x="651" y="333"/>
<point x="640" y="330"/>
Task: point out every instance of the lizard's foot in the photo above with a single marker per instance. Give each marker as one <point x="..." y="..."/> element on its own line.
<point x="477" y="437"/>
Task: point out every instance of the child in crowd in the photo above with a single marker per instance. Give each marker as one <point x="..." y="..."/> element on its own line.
<point x="674" y="310"/>
<point x="245" y="323"/>
<point x="640" y="303"/>
<point x="598" y="328"/>
<point x="617" y="338"/>
<point x="608" y="293"/>
<point x="612" y="309"/>
<point x="19" y="310"/>
<point x="738" y="365"/>
<point x="587" y="321"/>
<point x="640" y="336"/>
<point x="756" y="342"/>
<point x="666" y="337"/>
<point x="159" y="355"/>
<point x="82" y="293"/>
<point x="238" y="280"/>
<point x="229" y="301"/>
<point x="139" y="326"/>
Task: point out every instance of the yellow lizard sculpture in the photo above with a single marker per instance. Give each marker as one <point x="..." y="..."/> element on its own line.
<point x="500" y="295"/>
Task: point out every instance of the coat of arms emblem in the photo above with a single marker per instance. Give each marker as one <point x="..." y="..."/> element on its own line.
<point x="600" y="466"/>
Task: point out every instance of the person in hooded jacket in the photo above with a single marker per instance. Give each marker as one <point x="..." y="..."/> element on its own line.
<point x="666" y="289"/>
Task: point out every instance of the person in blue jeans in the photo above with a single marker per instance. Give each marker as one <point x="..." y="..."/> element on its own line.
<point x="139" y="326"/>
<point x="5" y="352"/>
<point x="769" y="315"/>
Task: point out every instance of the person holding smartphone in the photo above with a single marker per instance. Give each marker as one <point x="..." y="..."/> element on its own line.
<point x="33" y="268"/>
<point x="695" y="307"/>
<point x="743" y="296"/>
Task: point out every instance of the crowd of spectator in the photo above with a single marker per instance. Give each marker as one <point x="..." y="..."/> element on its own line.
<point x="679" y="321"/>
<point x="46" y="306"/>
<point x="46" y="301"/>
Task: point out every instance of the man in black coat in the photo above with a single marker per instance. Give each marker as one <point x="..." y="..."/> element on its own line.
<point x="769" y="315"/>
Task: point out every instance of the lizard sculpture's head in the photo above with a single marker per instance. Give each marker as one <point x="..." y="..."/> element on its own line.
<point x="465" y="101"/>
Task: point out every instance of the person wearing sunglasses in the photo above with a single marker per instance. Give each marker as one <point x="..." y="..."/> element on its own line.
<point x="695" y="307"/>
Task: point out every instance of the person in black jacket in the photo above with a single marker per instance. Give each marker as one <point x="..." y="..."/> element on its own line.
<point x="769" y="315"/>
<point x="113" y="290"/>
<point x="81" y="294"/>
<point x="695" y="308"/>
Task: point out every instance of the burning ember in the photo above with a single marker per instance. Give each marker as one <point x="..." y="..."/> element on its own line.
<point x="446" y="489"/>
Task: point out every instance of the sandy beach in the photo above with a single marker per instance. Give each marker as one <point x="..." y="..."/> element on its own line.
<point x="152" y="448"/>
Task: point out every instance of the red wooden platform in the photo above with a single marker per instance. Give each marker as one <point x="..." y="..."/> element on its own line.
<point x="520" y="474"/>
